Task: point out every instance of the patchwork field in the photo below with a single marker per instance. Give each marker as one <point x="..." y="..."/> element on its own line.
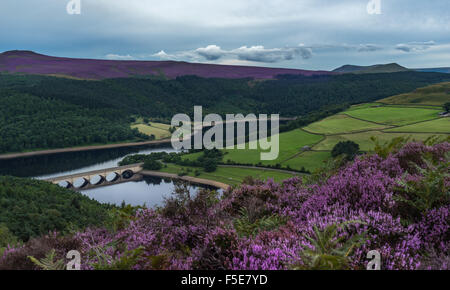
<point x="394" y="115"/>
<point x="341" y="124"/>
<point x="159" y="130"/>
<point x="435" y="95"/>
<point x="308" y="148"/>
<point x="310" y="160"/>
<point x="441" y="125"/>
<point x="229" y="175"/>
<point x="363" y="139"/>
<point x="291" y="143"/>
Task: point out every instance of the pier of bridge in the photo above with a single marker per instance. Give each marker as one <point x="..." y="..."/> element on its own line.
<point x="97" y="178"/>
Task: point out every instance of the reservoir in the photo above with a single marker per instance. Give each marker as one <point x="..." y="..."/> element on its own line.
<point x="148" y="191"/>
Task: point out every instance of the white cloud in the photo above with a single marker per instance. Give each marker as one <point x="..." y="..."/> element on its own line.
<point x="119" y="57"/>
<point x="211" y="52"/>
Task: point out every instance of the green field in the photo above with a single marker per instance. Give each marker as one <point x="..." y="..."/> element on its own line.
<point x="229" y="175"/>
<point x="441" y="125"/>
<point x="310" y="160"/>
<point x="417" y="121"/>
<point x="435" y="95"/>
<point x="291" y="144"/>
<point x="363" y="139"/>
<point x="341" y="124"/>
<point x="159" y="130"/>
<point x="394" y="115"/>
<point x="362" y="106"/>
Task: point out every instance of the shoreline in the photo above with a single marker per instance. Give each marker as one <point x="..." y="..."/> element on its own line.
<point x="186" y="178"/>
<point x="83" y="148"/>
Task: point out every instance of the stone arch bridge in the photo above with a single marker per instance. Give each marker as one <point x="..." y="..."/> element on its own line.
<point x="97" y="178"/>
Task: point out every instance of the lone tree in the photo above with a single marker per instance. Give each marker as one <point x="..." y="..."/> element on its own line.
<point x="447" y="107"/>
<point x="349" y="148"/>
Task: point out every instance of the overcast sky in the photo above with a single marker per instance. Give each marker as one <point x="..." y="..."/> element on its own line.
<point x="308" y="34"/>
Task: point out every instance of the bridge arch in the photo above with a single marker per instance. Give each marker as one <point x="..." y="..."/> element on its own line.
<point x="127" y="174"/>
<point x="96" y="179"/>
<point x="80" y="182"/>
<point x="111" y="177"/>
<point x="65" y="184"/>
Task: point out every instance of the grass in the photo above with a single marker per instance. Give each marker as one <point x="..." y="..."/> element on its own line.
<point x="362" y="106"/>
<point x="363" y="139"/>
<point x="413" y="115"/>
<point x="441" y="125"/>
<point x="311" y="160"/>
<point x="229" y="175"/>
<point x="394" y="115"/>
<point x="291" y="143"/>
<point x="435" y="95"/>
<point x="341" y="124"/>
<point x="160" y="131"/>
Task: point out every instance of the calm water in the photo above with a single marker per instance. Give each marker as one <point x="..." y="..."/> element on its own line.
<point x="55" y="165"/>
<point x="150" y="191"/>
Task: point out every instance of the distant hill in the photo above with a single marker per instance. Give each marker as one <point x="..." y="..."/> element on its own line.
<point x="378" y="68"/>
<point x="436" y="95"/>
<point x="438" y="69"/>
<point x="29" y="62"/>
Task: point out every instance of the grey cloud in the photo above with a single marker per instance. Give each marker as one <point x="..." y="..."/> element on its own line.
<point x="368" y="47"/>
<point x="261" y="54"/>
<point x="415" y="46"/>
<point x="253" y="53"/>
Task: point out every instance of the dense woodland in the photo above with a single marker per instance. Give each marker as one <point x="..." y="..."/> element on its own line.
<point x="39" y="112"/>
<point x="30" y="208"/>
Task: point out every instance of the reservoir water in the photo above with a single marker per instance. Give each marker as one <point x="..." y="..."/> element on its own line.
<point x="149" y="191"/>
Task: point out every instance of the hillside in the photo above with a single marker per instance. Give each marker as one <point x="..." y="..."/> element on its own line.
<point x="438" y="69"/>
<point x="40" y="112"/>
<point x="379" y="68"/>
<point x="29" y="62"/>
<point x="32" y="208"/>
<point x="374" y="202"/>
<point x="436" y="95"/>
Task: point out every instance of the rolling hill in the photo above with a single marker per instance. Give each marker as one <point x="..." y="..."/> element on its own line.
<point x="437" y="69"/>
<point x="29" y="62"/>
<point x="378" y="68"/>
<point x="434" y="95"/>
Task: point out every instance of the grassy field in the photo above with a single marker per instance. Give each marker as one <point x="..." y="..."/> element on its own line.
<point x="160" y="130"/>
<point x="363" y="139"/>
<point x="291" y="144"/>
<point x="436" y="95"/>
<point x="394" y="115"/>
<point x="418" y="120"/>
<point x="341" y="124"/>
<point x="310" y="160"/>
<point x="229" y="175"/>
<point x="441" y="125"/>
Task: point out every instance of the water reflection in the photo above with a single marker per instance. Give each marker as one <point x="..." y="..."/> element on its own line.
<point x="149" y="191"/>
<point x="43" y="167"/>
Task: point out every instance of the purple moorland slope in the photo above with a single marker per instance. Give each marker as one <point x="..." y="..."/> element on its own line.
<point x="29" y="62"/>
